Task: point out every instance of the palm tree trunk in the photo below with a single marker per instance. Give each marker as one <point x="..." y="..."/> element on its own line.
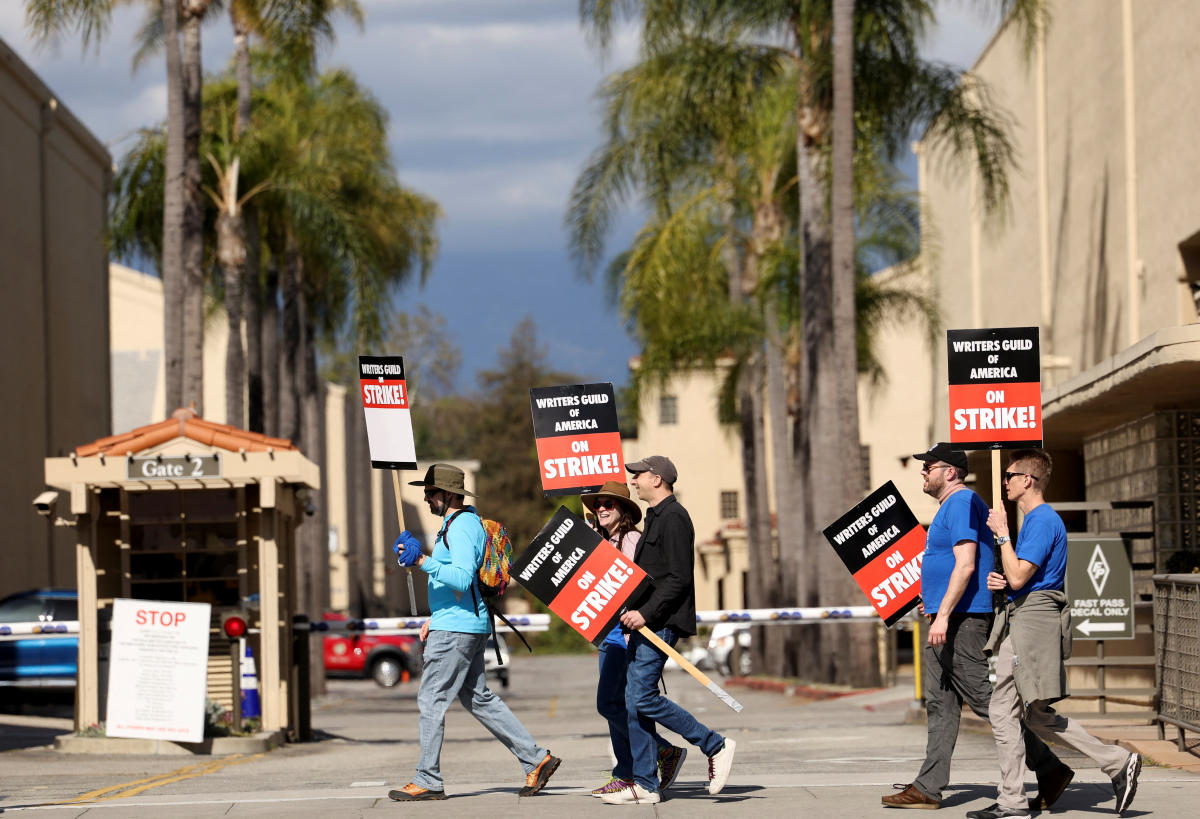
<point x="253" y="301"/>
<point x="314" y="531"/>
<point x="193" y="218"/>
<point x="241" y="60"/>
<point x="172" y="245"/>
<point x="289" y="361"/>
<point x="272" y="332"/>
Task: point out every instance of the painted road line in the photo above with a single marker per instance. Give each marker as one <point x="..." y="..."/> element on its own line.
<point x="142" y="785"/>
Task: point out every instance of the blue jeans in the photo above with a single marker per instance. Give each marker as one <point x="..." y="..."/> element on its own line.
<point x="646" y="706"/>
<point x="454" y="668"/>
<point x="610" y="702"/>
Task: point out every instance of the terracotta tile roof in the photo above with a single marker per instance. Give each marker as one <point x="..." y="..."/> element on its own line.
<point x="186" y="423"/>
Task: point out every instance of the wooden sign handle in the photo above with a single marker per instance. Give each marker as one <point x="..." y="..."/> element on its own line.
<point x="699" y="675"/>
<point x="412" y="594"/>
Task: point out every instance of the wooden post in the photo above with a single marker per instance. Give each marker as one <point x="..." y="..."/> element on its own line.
<point x="699" y="675"/>
<point x="412" y="594"/>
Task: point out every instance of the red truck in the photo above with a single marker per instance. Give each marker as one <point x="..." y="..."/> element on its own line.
<point x="386" y="658"/>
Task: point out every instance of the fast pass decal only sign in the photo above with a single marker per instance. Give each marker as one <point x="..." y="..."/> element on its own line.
<point x="882" y="545"/>
<point x="995" y="382"/>
<point x="579" y="575"/>
<point x="385" y="406"/>
<point x="578" y="440"/>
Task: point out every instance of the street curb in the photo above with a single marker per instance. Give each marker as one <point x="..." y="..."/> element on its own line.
<point x="796" y="689"/>
<point x="215" y="746"/>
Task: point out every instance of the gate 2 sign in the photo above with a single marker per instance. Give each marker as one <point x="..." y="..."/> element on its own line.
<point x="995" y="380"/>
<point x="1099" y="588"/>
<point x="883" y="546"/>
<point x="582" y="577"/>
<point x="578" y="440"/>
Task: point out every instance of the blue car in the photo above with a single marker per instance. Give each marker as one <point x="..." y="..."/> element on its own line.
<point x="49" y="658"/>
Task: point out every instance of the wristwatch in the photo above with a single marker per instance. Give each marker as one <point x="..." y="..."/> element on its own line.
<point x="1001" y="540"/>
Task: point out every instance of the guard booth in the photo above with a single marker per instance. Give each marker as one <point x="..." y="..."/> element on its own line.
<point x="188" y="511"/>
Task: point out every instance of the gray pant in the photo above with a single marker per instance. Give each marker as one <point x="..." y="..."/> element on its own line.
<point x="954" y="673"/>
<point x="454" y="668"/>
<point x="1007" y="709"/>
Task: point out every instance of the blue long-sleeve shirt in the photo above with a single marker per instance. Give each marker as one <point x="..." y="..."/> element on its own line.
<point x="453" y="567"/>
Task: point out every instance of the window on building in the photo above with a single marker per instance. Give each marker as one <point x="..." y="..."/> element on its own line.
<point x="668" y="410"/>
<point x="729" y="505"/>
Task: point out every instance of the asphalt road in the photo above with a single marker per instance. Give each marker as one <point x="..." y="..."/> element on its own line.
<point x="833" y="758"/>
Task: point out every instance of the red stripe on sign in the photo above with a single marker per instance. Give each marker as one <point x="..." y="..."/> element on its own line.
<point x="893" y="578"/>
<point x="580" y="460"/>
<point x="380" y="394"/>
<point x="995" y="412"/>
<point x="597" y="590"/>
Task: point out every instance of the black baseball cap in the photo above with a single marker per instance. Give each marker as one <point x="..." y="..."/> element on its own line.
<point x="943" y="451"/>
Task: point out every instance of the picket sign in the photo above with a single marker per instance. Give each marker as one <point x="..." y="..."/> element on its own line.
<point x="587" y="582"/>
<point x="384" y="395"/>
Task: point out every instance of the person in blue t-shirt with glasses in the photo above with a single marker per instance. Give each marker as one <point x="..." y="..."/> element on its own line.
<point x="1032" y="640"/>
<point x="957" y="601"/>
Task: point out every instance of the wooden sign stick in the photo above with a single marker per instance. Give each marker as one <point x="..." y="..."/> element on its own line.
<point x="412" y="594"/>
<point x="700" y="676"/>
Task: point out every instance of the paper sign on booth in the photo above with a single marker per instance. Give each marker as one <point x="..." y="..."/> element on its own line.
<point x="384" y="395"/>
<point x="578" y="439"/>
<point x="883" y="546"/>
<point x="995" y="385"/>
<point x="579" y="575"/>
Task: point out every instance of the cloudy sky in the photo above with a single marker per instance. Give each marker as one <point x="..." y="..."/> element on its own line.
<point x="492" y="114"/>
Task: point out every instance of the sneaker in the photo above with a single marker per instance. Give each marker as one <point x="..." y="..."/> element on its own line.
<point x="719" y="765"/>
<point x="415" y="793"/>
<point x="612" y="786"/>
<point x="1051" y="787"/>
<point x="994" y="811"/>
<point x="635" y="794"/>
<point x="536" y="779"/>
<point x="670" y="761"/>
<point x="1125" y="783"/>
<point x="910" y="797"/>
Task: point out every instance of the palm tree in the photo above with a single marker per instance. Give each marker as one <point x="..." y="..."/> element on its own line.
<point x="182" y="243"/>
<point x="894" y="91"/>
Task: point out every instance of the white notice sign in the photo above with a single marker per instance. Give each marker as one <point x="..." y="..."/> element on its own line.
<point x="158" y="670"/>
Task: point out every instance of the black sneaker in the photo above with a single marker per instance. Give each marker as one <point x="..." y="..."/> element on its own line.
<point x="994" y="811"/>
<point x="1051" y="787"/>
<point x="1125" y="783"/>
<point x="536" y="779"/>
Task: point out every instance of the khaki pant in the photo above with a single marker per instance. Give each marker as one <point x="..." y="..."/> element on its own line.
<point x="1006" y="711"/>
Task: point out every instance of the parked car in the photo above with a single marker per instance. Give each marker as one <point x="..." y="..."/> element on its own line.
<point x="491" y="668"/>
<point x="45" y="660"/>
<point x="382" y="657"/>
<point x="721" y="644"/>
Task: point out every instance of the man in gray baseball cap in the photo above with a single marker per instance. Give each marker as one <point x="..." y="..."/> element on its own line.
<point x="667" y="553"/>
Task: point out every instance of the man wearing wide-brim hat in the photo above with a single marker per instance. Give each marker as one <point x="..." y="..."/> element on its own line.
<point x="455" y="637"/>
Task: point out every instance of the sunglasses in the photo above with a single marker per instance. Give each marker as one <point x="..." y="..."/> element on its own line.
<point x="1008" y="476"/>
<point x="606" y="503"/>
<point x="927" y="468"/>
<point x="431" y="491"/>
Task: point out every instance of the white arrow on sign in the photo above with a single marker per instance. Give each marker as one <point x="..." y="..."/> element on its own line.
<point x="1087" y="627"/>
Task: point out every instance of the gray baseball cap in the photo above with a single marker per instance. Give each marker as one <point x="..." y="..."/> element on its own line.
<point x="660" y="465"/>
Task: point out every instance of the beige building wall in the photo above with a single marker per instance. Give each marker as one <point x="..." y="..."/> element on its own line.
<point x="54" y="183"/>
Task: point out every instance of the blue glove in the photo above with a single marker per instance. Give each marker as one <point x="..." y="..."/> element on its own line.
<point x="407" y="549"/>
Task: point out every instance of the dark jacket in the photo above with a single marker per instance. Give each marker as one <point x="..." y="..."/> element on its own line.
<point x="667" y="553"/>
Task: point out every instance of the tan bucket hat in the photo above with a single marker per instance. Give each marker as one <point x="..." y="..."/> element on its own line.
<point x="617" y="491"/>
<point x="445" y="477"/>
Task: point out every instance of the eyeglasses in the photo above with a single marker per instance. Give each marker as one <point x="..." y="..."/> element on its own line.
<point x="605" y="503"/>
<point x="1008" y="476"/>
<point x="431" y="491"/>
<point x="925" y="470"/>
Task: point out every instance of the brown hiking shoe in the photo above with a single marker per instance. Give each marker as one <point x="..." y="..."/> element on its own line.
<point x="415" y="793"/>
<point x="910" y="797"/>
<point x="536" y="779"/>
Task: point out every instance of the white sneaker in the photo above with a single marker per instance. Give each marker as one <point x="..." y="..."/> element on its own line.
<point x="635" y="794"/>
<point x="719" y="765"/>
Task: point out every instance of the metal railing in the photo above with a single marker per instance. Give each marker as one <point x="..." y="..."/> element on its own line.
<point x="1177" y="651"/>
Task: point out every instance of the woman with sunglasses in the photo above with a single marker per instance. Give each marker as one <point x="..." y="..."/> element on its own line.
<point x="615" y="515"/>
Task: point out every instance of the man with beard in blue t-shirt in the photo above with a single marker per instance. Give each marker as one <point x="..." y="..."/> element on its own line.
<point x="956" y="599"/>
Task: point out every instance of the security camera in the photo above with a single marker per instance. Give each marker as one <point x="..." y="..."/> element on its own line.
<point x="45" y="502"/>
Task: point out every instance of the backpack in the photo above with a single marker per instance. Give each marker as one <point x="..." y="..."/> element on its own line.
<point x="494" y="574"/>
